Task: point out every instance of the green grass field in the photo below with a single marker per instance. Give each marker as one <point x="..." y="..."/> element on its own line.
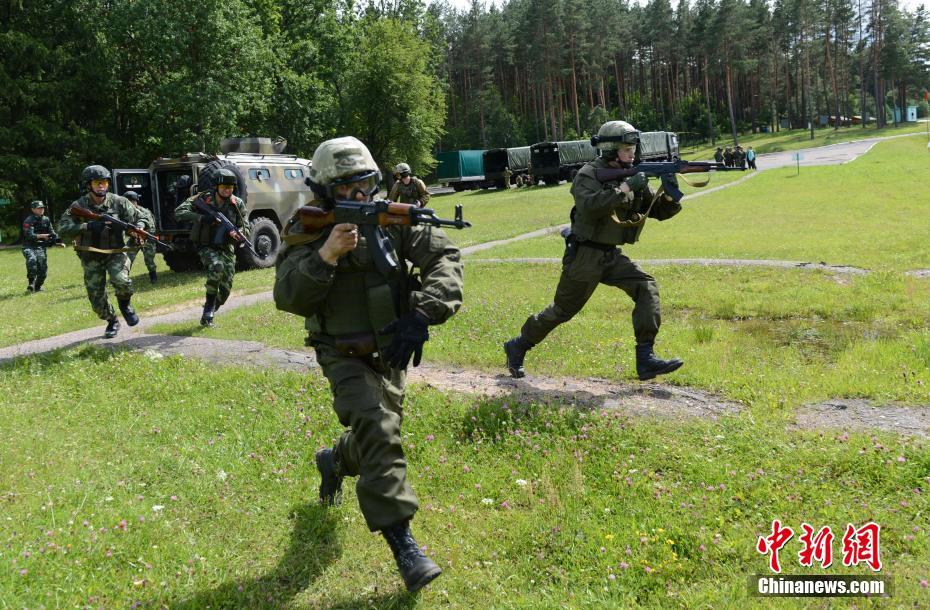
<point x="133" y="480"/>
<point x="180" y="488"/>
<point x="795" y="139"/>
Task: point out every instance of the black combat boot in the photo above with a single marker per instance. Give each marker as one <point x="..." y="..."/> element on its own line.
<point x="330" y="479"/>
<point x="32" y="284"/>
<point x="648" y="365"/>
<point x="516" y="350"/>
<point x="38" y="287"/>
<point x="129" y="314"/>
<point x="112" y="328"/>
<point x="209" y="308"/>
<point x="416" y="568"/>
<point x="153" y="276"/>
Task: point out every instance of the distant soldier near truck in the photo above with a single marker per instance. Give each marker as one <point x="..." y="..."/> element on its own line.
<point x="407" y="187"/>
<point x="147" y="246"/>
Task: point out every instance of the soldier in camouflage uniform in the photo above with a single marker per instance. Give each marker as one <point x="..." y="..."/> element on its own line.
<point x="408" y="188"/>
<point x="218" y="256"/>
<point x="364" y="327"/>
<point x="101" y="246"/>
<point x="605" y="215"/>
<point x="37" y="233"/>
<point x="148" y="246"/>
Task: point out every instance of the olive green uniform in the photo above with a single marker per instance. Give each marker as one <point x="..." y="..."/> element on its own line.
<point x="102" y="254"/>
<point x="345" y="306"/>
<point x="408" y="193"/>
<point x="592" y="257"/>
<point x="218" y="258"/>
<point x="34" y="248"/>
<point x="148" y="248"/>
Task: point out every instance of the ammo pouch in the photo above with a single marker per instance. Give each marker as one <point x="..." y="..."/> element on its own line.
<point x="355" y="344"/>
<point x="109" y="238"/>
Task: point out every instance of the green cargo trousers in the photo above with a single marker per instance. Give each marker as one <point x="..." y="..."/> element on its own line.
<point x="36" y="264"/>
<point x="148" y="255"/>
<point x="368" y="398"/>
<point x="583" y="268"/>
<point x="221" y="268"/>
<point x="97" y="267"/>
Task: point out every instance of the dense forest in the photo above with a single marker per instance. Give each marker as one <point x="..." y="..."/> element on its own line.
<point x="121" y="82"/>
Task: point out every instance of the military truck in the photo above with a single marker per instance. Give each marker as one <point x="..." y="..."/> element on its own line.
<point x="461" y="169"/>
<point x="659" y="146"/>
<point x="497" y="160"/>
<point x="270" y="182"/>
<point x="555" y="161"/>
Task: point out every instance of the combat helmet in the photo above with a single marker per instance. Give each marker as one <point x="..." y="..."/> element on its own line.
<point x="343" y="161"/>
<point x="36" y="204"/>
<point x="402" y="168"/>
<point x="226" y="177"/>
<point x="614" y="134"/>
<point x="94" y="172"/>
<point x="132" y="196"/>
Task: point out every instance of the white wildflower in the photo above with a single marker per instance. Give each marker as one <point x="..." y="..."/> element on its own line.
<point x="521" y="482"/>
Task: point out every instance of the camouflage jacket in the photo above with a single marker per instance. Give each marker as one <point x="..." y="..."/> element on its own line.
<point x="203" y="233"/>
<point x="408" y="193"/>
<point x="353" y="297"/>
<point x="111" y="239"/>
<point x="36" y="225"/>
<point x="601" y="207"/>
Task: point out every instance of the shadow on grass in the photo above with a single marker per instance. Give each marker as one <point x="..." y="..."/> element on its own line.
<point x="313" y="547"/>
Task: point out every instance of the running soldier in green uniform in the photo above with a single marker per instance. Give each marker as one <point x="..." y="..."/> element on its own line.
<point x="101" y="246"/>
<point x="365" y="327"/>
<point x="605" y="215"/>
<point x="148" y="246"/>
<point x="38" y="234"/>
<point x="408" y="188"/>
<point x="218" y="256"/>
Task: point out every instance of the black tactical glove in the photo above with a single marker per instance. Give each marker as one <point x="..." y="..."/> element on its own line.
<point x="411" y="331"/>
<point x="637" y="182"/>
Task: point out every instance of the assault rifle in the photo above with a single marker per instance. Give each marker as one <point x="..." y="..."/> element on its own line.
<point x="665" y="170"/>
<point x="371" y="216"/>
<point x="225" y="227"/>
<point x="140" y="234"/>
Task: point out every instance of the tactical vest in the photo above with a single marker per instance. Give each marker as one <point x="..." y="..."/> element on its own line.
<point x="39" y="226"/>
<point x="110" y="238"/>
<point x="408" y="193"/>
<point x="204" y="233"/>
<point x="608" y="229"/>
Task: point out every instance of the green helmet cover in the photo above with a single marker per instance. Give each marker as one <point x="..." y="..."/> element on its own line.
<point x="341" y="161"/>
<point x="614" y="134"/>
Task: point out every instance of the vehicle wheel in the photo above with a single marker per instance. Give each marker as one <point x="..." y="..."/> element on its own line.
<point x="457" y="187"/>
<point x="266" y="239"/>
<point x="182" y="261"/>
<point x="551" y="180"/>
<point x="207" y="175"/>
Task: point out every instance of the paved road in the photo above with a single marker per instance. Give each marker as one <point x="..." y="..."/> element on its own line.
<point x="834" y="154"/>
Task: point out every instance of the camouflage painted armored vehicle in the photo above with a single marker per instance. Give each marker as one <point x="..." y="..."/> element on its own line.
<point x="270" y="182"/>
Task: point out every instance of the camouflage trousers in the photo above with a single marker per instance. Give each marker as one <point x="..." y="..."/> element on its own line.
<point x="36" y="264"/>
<point x="221" y="267"/>
<point x="368" y="398"/>
<point x="583" y="268"/>
<point x="148" y="255"/>
<point x="96" y="269"/>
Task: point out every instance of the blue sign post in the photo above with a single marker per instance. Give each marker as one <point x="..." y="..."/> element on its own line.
<point x="797" y="157"/>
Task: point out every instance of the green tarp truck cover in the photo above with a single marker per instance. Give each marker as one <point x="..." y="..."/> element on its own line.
<point x="576" y="151"/>
<point x="457" y="165"/>
<point x="518" y="158"/>
<point x="658" y="144"/>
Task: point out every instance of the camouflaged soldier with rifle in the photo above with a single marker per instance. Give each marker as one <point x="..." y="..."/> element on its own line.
<point x="407" y="187"/>
<point x="101" y="244"/>
<point x="147" y="246"/>
<point x="605" y="216"/>
<point x="216" y="245"/>
<point x="38" y="235"/>
<point x="365" y="324"/>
